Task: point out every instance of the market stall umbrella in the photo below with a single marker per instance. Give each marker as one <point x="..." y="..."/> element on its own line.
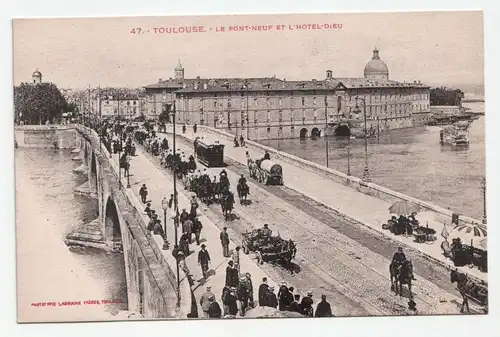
<point x="484" y="243"/>
<point x="472" y="233"/>
<point x="404" y="208"/>
<point x="268" y="312"/>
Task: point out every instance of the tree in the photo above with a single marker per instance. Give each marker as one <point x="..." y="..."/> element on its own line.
<point x="446" y="96"/>
<point x="38" y="103"/>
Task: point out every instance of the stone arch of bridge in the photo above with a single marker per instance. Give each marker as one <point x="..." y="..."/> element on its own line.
<point x="315" y="133"/>
<point x="112" y="230"/>
<point x="342" y="131"/>
<point x="303" y="133"/>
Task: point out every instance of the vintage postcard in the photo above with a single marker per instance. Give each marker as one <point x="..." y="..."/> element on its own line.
<point x="244" y="166"/>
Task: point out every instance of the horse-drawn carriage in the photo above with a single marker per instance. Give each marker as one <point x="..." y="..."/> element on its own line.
<point x="265" y="171"/>
<point x="210" y="155"/>
<point x="477" y="291"/>
<point x="268" y="248"/>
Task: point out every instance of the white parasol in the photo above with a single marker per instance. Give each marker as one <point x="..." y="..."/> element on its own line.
<point x="473" y="233"/>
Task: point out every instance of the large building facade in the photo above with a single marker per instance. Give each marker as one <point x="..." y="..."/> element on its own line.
<point x="270" y="108"/>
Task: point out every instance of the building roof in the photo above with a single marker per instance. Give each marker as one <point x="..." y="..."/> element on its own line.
<point x="240" y="84"/>
<point x="361" y="82"/>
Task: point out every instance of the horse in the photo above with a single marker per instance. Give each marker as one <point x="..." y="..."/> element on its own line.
<point x="243" y="191"/>
<point x="401" y="274"/>
<point x="227" y="203"/>
<point x="468" y="287"/>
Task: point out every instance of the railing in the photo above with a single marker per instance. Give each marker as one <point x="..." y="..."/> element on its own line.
<point x="165" y="258"/>
<point x="371" y="189"/>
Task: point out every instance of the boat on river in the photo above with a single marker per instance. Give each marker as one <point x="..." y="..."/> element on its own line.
<point x="456" y="134"/>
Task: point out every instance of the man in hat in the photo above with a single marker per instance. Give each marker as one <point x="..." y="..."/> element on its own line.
<point x="285" y="298"/>
<point x="323" y="309"/>
<point x="272" y="301"/>
<point x="151" y="223"/>
<point x="306" y="305"/>
<point x="197" y="227"/>
<point x="224" y="240"/>
<point x="243" y="295"/>
<point x="184" y="216"/>
<point x="231" y="275"/>
<point x="266" y="231"/>
<point x="295" y="306"/>
<point x="187" y="228"/>
<point x="147" y="210"/>
<point x="263" y="290"/>
<point x="231" y="302"/>
<point x="205" y="302"/>
<point x="214" y="310"/>
<point x="236" y="258"/>
<point x="143" y="192"/>
<point x="204" y="260"/>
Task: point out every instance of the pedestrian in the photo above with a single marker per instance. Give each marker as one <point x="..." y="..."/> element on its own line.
<point x="231" y="275"/>
<point x="295" y="306"/>
<point x="204" y="260"/>
<point x="214" y="308"/>
<point x="158" y="229"/>
<point x="306" y="305"/>
<point x="272" y="300"/>
<point x="225" y="293"/>
<point x="242" y="141"/>
<point x="151" y="223"/>
<point x="153" y="214"/>
<point x="143" y="192"/>
<point x="231" y="302"/>
<point x="171" y="201"/>
<point x="323" y="309"/>
<point x="187" y="228"/>
<point x="236" y="258"/>
<point x="204" y="300"/>
<point x="147" y="210"/>
<point x="284" y="296"/>
<point x="263" y="290"/>
<point x="197" y="227"/>
<point x="195" y="127"/>
<point x="250" y="287"/>
<point x="184" y="216"/>
<point x="224" y="240"/>
<point x="243" y="295"/>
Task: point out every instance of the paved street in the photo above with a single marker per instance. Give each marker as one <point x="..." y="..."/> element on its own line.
<point x="159" y="185"/>
<point x="343" y="264"/>
<point x="373" y="213"/>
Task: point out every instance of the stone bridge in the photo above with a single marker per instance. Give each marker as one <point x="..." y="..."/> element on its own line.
<point x="121" y="225"/>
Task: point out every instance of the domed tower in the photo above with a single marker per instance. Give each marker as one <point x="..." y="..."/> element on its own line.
<point x="179" y="71"/>
<point x="37" y="77"/>
<point x="376" y="68"/>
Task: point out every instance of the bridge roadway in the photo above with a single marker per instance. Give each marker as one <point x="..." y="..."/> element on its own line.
<point x="345" y="261"/>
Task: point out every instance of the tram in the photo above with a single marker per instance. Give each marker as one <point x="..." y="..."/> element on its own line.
<point x="209" y="154"/>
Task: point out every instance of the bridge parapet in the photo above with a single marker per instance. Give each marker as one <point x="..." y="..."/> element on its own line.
<point x="158" y="289"/>
<point x="358" y="184"/>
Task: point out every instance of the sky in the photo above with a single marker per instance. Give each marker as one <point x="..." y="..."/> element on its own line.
<point x="437" y="48"/>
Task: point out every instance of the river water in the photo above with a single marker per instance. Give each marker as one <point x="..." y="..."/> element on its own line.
<point x="47" y="270"/>
<point x="410" y="161"/>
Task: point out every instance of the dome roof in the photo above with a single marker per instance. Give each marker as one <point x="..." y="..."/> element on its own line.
<point x="36" y="73"/>
<point x="376" y="67"/>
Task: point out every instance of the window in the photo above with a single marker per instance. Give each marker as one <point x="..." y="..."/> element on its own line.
<point x="314" y="100"/>
<point x="255" y="102"/>
<point x="215" y="104"/>
<point x="268" y="130"/>
<point x="229" y="104"/>
<point x="135" y="102"/>
<point x="268" y="116"/>
<point x="242" y="103"/>
<point x="303" y="101"/>
<point x="242" y="94"/>
<point x="280" y="116"/>
<point x="280" y="102"/>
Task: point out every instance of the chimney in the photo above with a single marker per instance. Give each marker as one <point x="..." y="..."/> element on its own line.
<point x="159" y="80"/>
<point x="329" y="75"/>
<point x="198" y="77"/>
<point x="205" y="86"/>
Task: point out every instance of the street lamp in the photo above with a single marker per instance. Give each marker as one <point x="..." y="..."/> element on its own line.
<point x="483" y="187"/>
<point x="349" y="155"/>
<point x="164" y="205"/>
<point x="366" y="173"/>
<point x="176" y="206"/>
